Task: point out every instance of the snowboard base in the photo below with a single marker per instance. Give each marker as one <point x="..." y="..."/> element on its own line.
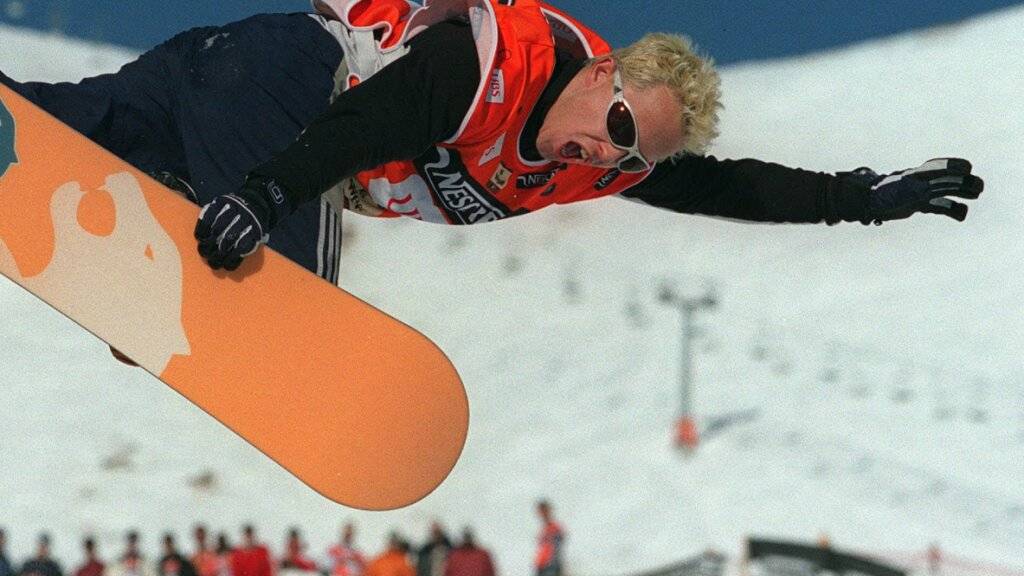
<point x="361" y="407"/>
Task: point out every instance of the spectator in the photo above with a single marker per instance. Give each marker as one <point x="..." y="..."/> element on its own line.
<point x="93" y="566"/>
<point x="6" y="568"/>
<point x="42" y="564"/>
<point x="131" y="544"/>
<point x="934" y="556"/>
<point x="469" y="559"/>
<point x="173" y="563"/>
<point x="431" y="557"/>
<point x="132" y="562"/>
<point x="253" y="558"/>
<point x="294" y="556"/>
<point x="204" y="560"/>
<point x="224" y="551"/>
<point x="344" y="559"/>
<point x="549" y="546"/>
<point x="394" y="561"/>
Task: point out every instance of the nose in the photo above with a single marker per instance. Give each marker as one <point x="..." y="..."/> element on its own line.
<point x="606" y="155"/>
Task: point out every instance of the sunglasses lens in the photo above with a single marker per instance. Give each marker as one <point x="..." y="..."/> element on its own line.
<point x="633" y="164"/>
<point x="621" y="127"/>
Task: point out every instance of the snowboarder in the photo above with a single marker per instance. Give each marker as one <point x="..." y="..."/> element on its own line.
<point x="462" y="112"/>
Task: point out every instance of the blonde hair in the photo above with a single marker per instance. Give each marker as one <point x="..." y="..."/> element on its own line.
<point x="670" y="60"/>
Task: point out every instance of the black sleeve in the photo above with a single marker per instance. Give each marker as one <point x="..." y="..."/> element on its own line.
<point x="397" y="114"/>
<point x="751" y="190"/>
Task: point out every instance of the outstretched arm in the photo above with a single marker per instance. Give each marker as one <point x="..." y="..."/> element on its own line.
<point x="756" y="191"/>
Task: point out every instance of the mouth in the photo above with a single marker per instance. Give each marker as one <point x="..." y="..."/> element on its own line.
<point x="573" y="151"/>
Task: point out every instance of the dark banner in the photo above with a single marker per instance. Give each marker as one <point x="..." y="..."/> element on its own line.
<point x="791" y="559"/>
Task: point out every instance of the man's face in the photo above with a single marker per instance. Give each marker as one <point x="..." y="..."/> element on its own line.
<point x="576" y="131"/>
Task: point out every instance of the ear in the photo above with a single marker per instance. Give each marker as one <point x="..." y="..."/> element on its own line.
<point x="600" y="70"/>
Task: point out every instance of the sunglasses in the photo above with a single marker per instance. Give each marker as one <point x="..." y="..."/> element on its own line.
<point x="622" y="130"/>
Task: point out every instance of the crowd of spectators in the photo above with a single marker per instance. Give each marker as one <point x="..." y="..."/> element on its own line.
<point x="438" y="556"/>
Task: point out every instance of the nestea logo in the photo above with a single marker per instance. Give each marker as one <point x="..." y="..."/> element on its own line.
<point x="463" y="200"/>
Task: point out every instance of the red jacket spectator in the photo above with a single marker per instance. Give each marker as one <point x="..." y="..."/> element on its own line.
<point x="251" y="559"/>
<point x="254" y="561"/>
<point x="92" y="566"/>
<point x="549" y="545"/>
<point x="469" y="559"/>
<point x="295" y="556"/>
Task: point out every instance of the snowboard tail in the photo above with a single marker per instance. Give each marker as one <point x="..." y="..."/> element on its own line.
<point x="361" y="407"/>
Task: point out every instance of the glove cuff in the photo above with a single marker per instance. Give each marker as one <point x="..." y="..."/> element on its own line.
<point x="849" y="196"/>
<point x="269" y="200"/>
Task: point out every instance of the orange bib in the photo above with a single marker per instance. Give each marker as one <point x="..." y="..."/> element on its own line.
<point x="479" y="175"/>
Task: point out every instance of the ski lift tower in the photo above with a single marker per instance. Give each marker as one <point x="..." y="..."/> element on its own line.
<point x="687" y="435"/>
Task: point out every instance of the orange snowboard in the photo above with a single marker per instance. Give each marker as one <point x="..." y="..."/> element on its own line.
<point x="362" y="408"/>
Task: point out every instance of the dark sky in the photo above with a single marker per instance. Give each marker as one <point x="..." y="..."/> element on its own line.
<point x="729" y="31"/>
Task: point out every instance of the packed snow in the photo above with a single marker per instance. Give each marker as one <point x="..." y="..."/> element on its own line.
<point x="878" y="368"/>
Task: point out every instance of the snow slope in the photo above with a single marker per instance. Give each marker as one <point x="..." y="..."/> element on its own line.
<point x="883" y="362"/>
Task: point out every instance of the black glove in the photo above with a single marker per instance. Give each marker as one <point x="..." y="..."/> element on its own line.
<point x="233" y="226"/>
<point x="923" y="189"/>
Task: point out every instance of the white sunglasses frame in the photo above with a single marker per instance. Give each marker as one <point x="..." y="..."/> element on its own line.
<point x="618" y="95"/>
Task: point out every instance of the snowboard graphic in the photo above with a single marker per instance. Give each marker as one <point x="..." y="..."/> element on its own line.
<point x="362" y="408"/>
